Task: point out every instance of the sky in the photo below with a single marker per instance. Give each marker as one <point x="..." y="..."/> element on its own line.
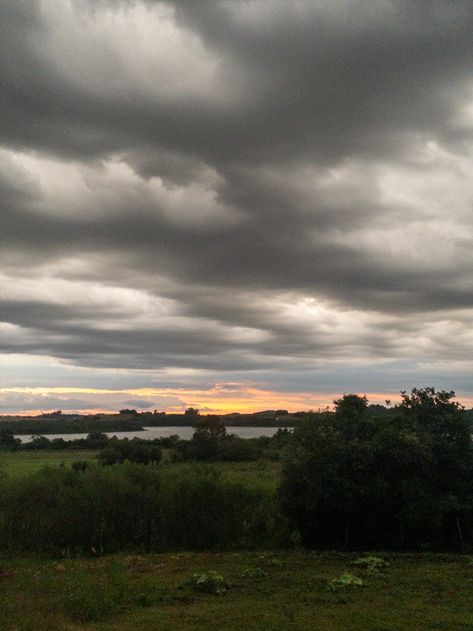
<point x="234" y="205"/>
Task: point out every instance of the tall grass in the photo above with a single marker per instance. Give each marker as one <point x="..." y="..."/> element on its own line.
<point x="105" y="509"/>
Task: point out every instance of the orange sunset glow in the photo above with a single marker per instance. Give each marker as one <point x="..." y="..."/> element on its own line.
<point x="221" y="399"/>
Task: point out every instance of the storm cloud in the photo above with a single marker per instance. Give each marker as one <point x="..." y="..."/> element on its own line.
<point x="275" y="192"/>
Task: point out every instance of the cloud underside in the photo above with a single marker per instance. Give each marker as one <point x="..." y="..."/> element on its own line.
<point x="224" y="187"/>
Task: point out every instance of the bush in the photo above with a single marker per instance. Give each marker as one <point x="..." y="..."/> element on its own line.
<point x="372" y="564"/>
<point x="129" y="506"/>
<point x="136" y="450"/>
<point x="201" y="510"/>
<point x="234" y="449"/>
<point x="345" y="581"/>
<point x="78" y="511"/>
<point x="209" y="582"/>
<point x="210" y="443"/>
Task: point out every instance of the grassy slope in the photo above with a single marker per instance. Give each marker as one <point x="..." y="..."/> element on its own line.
<point x="418" y="592"/>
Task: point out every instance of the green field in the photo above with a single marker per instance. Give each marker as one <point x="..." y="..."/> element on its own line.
<point x="19" y="463"/>
<point x="269" y="590"/>
<point x="148" y="592"/>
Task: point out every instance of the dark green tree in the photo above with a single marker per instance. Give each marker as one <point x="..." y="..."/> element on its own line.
<point x="192" y="412"/>
<point x="137" y="451"/>
<point x="209" y="433"/>
<point x="400" y="480"/>
<point x="8" y="440"/>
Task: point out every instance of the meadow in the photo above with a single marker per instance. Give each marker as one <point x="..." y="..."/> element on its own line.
<point x="269" y="589"/>
<point x="21" y="463"/>
<point x="263" y="590"/>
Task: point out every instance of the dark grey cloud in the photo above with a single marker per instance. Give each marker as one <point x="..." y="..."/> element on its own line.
<point x="312" y="81"/>
<point x="291" y="180"/>
<point x="12" y="402"/>
<point x="287" y="251"/>
<point x="139" y="403"/>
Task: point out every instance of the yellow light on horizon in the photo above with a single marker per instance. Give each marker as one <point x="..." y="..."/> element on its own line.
<point x="220" y="399"/>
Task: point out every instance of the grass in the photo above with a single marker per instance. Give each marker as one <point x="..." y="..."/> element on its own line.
<point x="138" y="592"/>
<point x="263" y="590"/>
<point x="264" y="473"/>
<point x="20" y="463"/>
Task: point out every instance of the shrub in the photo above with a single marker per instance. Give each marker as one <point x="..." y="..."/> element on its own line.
<point x="372" y="564"/>
<point x="345" y="581"/>
<point x="209" y="582"/>
<point x="74" y="511"/>
<point x="134" y="450"/>
<point x="130" y="506"/>
<point x="201" y="510"/>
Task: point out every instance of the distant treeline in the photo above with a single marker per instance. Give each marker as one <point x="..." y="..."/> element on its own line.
<point x="131" y="420"/>
<point x="81" y="425"/>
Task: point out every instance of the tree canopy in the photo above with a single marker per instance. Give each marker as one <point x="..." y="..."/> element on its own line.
<point x="402" y="480"/>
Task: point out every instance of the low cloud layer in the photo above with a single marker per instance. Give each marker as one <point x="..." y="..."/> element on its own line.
<point x="278" y="192"/>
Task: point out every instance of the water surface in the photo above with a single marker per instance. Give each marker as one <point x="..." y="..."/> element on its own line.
<point x="161" y="432"/>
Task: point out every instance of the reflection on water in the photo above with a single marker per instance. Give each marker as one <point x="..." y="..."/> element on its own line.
<point x="161" y="432"/>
